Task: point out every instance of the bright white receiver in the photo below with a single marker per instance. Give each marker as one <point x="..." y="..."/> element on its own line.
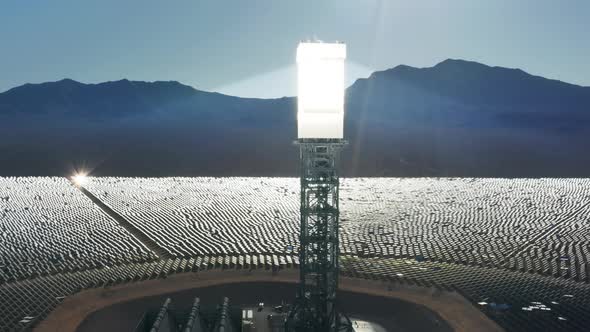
<point x="320" y="84"/>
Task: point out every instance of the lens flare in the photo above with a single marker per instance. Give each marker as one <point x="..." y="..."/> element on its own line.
<point x="80" y="179"/>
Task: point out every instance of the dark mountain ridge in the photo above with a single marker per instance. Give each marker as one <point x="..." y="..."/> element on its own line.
<point x="458" y="118"/>
<point x="482" y="85"/>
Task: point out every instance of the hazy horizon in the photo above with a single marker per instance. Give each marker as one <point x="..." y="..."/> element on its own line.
<point x="354" y="73"/>
<point x="219" y="47"/>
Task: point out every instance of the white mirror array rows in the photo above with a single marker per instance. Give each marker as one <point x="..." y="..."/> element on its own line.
<point x="498" y="241"/>
<point x="48" y="227"/>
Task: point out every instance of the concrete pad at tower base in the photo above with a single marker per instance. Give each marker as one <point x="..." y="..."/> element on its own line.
<point x="359" y="325"/>
<point x="262" y="319"/>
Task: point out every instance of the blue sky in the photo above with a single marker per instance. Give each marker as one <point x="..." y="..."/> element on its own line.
<point x="247" y="48"/>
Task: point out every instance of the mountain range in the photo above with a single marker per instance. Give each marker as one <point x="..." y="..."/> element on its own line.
<point x="457" y="118"/>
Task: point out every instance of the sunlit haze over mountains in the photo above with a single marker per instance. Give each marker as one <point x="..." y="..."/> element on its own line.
<point x="245" y="48"/>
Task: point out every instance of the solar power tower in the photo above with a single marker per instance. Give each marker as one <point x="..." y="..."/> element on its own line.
<point x="320" y="122"/>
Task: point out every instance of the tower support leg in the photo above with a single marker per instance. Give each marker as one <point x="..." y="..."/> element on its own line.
<point x="315" y="308"/>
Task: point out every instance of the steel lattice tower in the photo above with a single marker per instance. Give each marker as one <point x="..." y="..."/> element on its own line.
<point x="315" y="309"/>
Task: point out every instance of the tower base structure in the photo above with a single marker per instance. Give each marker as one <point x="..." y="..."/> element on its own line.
<point x="315" y="307"/>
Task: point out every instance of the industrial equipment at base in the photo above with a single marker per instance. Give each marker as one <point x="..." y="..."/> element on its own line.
<point x="315" y="307"/>
<point x="220" y="318"/>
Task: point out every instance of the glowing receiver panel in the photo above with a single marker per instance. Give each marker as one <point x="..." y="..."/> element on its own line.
<point x="320" y="100"/>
